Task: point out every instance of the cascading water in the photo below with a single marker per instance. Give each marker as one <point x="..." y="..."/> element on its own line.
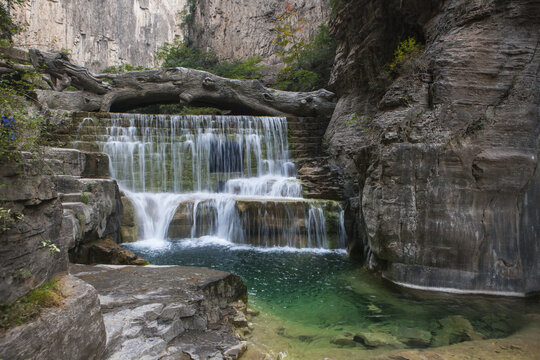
<point x="233" y="173"/>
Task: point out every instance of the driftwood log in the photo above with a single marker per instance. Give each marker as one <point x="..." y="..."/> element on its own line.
<point x="120" y="92"/>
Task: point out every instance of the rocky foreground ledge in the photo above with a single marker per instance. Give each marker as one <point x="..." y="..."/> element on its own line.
<point x="146" y="312"/>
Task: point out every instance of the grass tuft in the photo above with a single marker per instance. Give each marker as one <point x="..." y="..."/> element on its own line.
<point x="30" y="306"/>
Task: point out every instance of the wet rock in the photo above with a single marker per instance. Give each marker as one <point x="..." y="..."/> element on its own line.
<point x="446" y="164"/>
<point x="344" y="341"/>
<point x="236" y="351"/>
<point x="377" y="339"/>
<point x="412" y="336"/>
<point x="168" y="311"/>
<point x="129" y="232"/>
<point x="106" y="251"/>
<point x="75" y="330"/>
<point x="455" y="329"/>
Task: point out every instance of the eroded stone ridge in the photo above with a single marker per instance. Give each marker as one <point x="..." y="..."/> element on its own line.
<point x="74" y="330"/>
<point x="171" y="312"/>
<point x="442" y="166"/>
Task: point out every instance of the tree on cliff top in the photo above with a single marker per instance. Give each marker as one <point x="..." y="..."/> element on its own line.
<point x="308" y="62"/>
<point x="8" y="26"/>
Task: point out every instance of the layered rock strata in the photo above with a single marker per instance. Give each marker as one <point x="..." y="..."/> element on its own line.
<point x="99" y="34"/>
<point x="442" y="165"/>
<point x="170" y="312"/>
<point x="74" y="330"/>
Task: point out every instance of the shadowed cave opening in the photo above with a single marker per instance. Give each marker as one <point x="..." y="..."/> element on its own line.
<point x="168" y="104"/>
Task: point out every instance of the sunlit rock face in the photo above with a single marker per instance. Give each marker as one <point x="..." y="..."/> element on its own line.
<point x="97" y="35"/>
<point x="242" y="29"/>
<point x="442" y="164"/>
<point x="130" y="31"/>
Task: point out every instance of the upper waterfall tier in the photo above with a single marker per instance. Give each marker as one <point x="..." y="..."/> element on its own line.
<point x="242" y="155"/>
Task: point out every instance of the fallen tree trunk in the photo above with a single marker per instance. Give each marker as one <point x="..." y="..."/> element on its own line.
<point x="120" y="92"/>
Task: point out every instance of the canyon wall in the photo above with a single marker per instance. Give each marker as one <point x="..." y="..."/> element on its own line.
<point x="441" y="165"/>
<point x="242" y="29"/>
<point x="101" y="33"/>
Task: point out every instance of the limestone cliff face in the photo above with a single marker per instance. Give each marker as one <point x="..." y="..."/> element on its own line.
<point x="242" y="29"/>
<point x="442" y="167"/>
<point x="102" y="33"/>
<point x="99" y="34"/>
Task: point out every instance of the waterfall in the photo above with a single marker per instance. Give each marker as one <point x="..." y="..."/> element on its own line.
<point x="234" y="172"/>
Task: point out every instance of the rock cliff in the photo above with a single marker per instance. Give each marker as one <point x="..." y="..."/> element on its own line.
<point x="441" y="166"/>
<point x="242" y="29"/>
<point x="99" y="34"/>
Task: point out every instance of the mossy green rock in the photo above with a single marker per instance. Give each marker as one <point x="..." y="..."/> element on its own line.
<point x="378" y="339"/>
<point x="412" y="336"/>
<point x="455" y="329"/>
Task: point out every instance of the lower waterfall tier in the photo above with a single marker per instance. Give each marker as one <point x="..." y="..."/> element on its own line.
<point x="259" y="221"/>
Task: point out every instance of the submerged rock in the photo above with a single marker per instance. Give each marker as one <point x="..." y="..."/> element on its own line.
<point x="344" y="341"/>
<point x="413" y="337"/>
<point x="166" y="311"/>
<point x="455" y="329"/>
<point x="377" y="339"/>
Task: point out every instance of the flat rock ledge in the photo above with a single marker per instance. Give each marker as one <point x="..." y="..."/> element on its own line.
<point x="167" y="312"/>
<point x="75" y="330"/>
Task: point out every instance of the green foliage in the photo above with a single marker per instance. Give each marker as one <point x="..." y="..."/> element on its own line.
<point x="202" y="111"/>
<point x="49" y="245"/>
<point x="30" y="306"/>
<point x="84" y="198"/>
<point x="8" y="26"/>
<point x="407" y="60"/>
<point x="249" y="69"/>
<point x="183" y="54"/>
<point x="177" y="109"/>
<point x="360" y="121"/>
<point x="292" y="79"/>
<point x="406" y="50"/>
<point x="8" y="218"/>
<point x="187" y="14"/>
<point x="19" y="126"/>
<point x="308" y="62"/>
<point x="335" y="6"/>
<point x="118" y="69"/>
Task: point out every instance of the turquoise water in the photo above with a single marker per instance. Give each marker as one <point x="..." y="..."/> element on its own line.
<point x="322" y="299"/>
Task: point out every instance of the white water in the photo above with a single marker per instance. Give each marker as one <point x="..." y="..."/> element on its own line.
<point x="212" y="162"/>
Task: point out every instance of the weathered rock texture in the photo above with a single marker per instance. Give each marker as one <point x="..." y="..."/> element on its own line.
<point x="442" y="166"/>
<point x="171" y="312"/>
<point x="65" y="201"/>
<point x="100" y="34"/>
<point x="129" y="31"/>
<point x="75" y="330"/>
<point x="25" y="246"/>
<point x="242" y="29"/>
<point x="174" y="85"/>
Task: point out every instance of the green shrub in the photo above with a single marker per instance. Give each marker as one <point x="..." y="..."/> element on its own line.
<point x="20" y="126"/>
<point x="84" y="198"/>
<point x="183" y="54"/>
<point x="8" y="218"/>
<point x="292" y="79"/>
<point x="30" y="306"/>
<point x="308" y="62"/>
<point x="407" y="51"/>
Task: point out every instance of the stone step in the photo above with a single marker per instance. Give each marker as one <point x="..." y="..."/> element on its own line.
<point x="71" y="197"/>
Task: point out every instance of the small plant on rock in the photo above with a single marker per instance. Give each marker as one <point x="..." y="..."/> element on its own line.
<point x="49" y="245"/>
